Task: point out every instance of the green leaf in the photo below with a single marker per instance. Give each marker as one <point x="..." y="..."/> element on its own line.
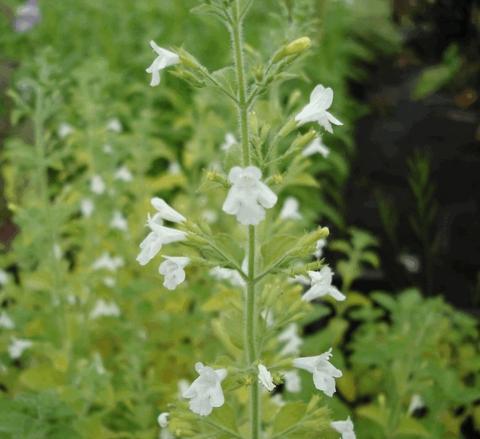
<point x="289" y="415"/>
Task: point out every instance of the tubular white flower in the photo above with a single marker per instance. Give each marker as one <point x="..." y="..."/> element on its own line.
<point x="166" y="212"/>
<point x="123" y="174"/>
<point x="292" y="381"/>
<point x="17" y="347"/>
<point x="229" y="141"/>
<point x="227" y="274"/>
<point x="291" y="339"/>
<point x="108" y="262"/>
<point x="104" y="309"/>
<point x="324" y="373"/>
<point x="317" y="146"/>
<point x="290" y="209"/>
<point x="87" y="207"/>
<point x="316" y="110"/>
<point x="164" y="59"/>
<point x="206" y="392"/>
<point x="265" y="378"/>
<point x="97" y="185"/>
<point x="416" y="403"/>
<point x="248" y="197"/>
<point x="322" y="286"/>
<point x="320" y="245"/>
<point x="5" y="321"/>
<point x="345" y="428"/>
<point x="114" y="125"/>
<point x="119" y="222"/>
<point x="173" y="270"/>
<point x="64" y="130"/>
<point x="163" y="419"/>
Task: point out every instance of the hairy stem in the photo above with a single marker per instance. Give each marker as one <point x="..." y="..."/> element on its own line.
<point x="250" y="311"/>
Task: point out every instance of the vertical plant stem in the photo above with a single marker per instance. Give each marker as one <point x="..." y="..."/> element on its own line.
<point x="250" y="311"/>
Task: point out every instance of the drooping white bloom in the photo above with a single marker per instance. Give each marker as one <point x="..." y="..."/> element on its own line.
<point x="160" y="234"/>
<point x="6" y="322"/>
<point x="345" y="428"/>
<point x="123" y="174"/>
<point x="97" y="185"/>
<point x="173" y="268"/>
<point x="206" y="392"/>
<point x="291" y="339"/>
<point x="4" y="277"/>
<point x="229" y="141"/>
<point x="164" y="59"/>
<point x="227" y="274"/>
<point x="119" y="222"/>
<point x="416" y="403"/>
<point x="265" y="378"/>
<point x="114" y="125"/>
<point x="108" y="262"/>
<point x="64" y="130"/>
<point x="316" y="146"/>
<point x="27" y="16"/>
<point x="293" y="384"/>
<point x="321" y="285"/>
<point x="17" y="346"/>
<point x="316" y="110"/>
<point x="324" y="373"/>
<point x="321" y="243"/>
<point x="290" y="209"/>
<point x="163" y="419"/>
<point x="103" y="308"/>
<point x="165" y="212"/>
<point x="277" y="399"/>
<point x="87" y="207"/>
<point x="248" y="197"/>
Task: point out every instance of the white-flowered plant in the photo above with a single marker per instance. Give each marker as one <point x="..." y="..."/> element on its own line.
<point x="165" y="59"/>
<point x="324" y="373"/>
<point x="345" y="428"/>
<point x="206" y="392"/>
<point x="321" y="285"/>
<point x="254" y="260"/>
<point x="248" y="196"/>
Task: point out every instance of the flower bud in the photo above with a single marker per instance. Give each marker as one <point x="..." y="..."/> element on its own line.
<point x="292" y="49"/>
<point x="287" y="128"/>
<point x="188" y="60"/>
<point x="304" y="140"/>
<point x="218" y="178"/>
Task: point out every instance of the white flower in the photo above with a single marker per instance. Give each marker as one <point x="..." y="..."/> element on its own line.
<point x="123" y="174"/>
<point x="248" y="197"/>
<point x="163" y="419"/>
<point x="104" y="309"/>
<point x="57" y="251"/>
<point x="278" y="400"/>
<point x="114" y="125"/>
<point x="265" y="378"/>
<point x="290" y="209"/>
<point x="174" y="168"/>
<point x="109" y="281"/>
<point x="321" y="243"/>
<point x="17" y="347"/>
<point x="97" y="185"/>
<point x="229" y="141"/>
<point x="164" y="59"/>
<point x="410" y="262"/>
<point x="316" y="110"/>
<point x="206" y="392"/>
<point x="160" y="234"/>
<point x="165" y="212"/>
<point x="173" y="270"/>
<point x="182" y="386"/>
<point x="210" y="216"/>
<point x="267" y="315"/>
<point x="107" y="148"/>
<point x="87" y="207"/>
<point x="107" y="262"/>
<point x="317" y="146"/>
<point x="119" y="222"/>
<point x="416" y="403"/>
<point x="324" y="373"/>
<point x="322" y="286"/>
<point x="64" y="130"/>
<point x="345" y="428"/>
<point x="291" y="339"/>
<point x="292" y="380"/>
<point x="27" y="16"/>
<point x="227" y="274"/>
<point x="6" y="322"/>
<point x="4" y="277"/>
